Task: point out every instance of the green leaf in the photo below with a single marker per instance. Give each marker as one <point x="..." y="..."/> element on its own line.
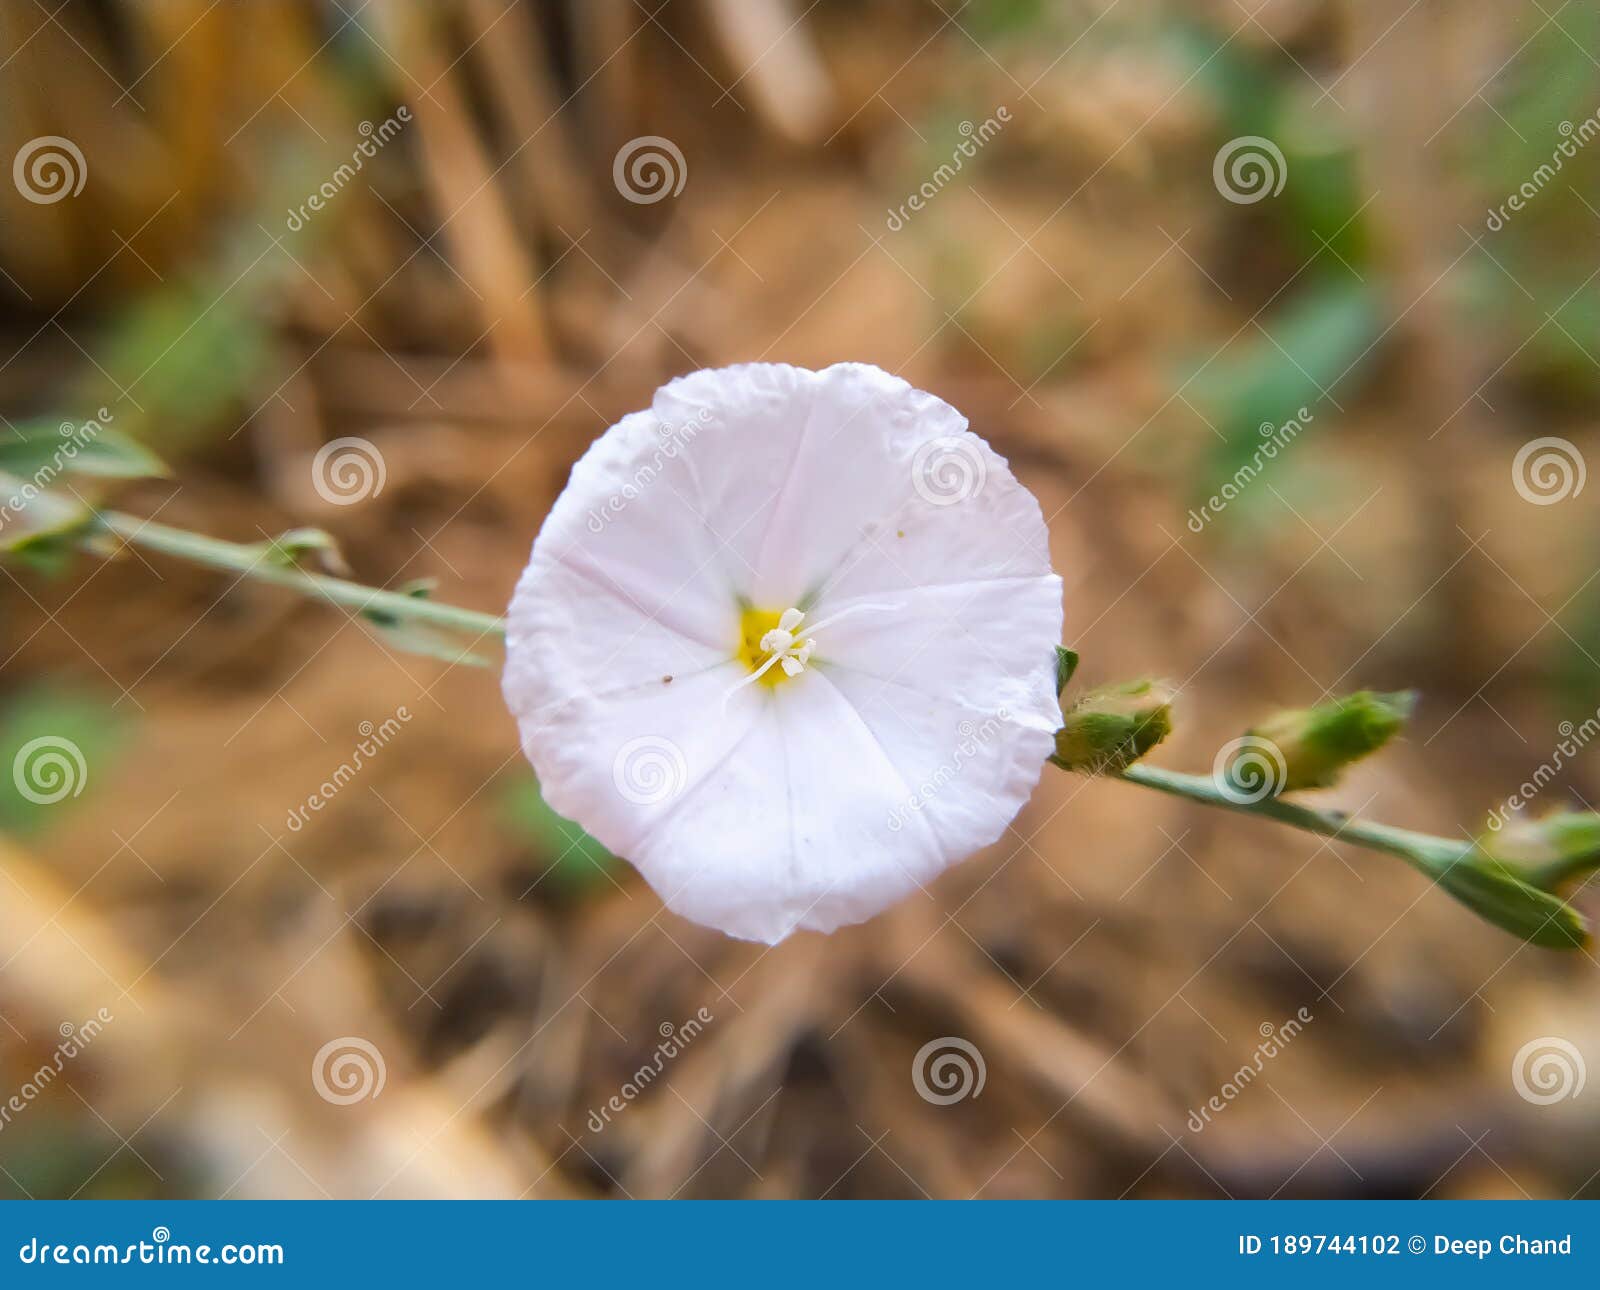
<point x="1257" y="94"/>
<point x="1554" y="83"/>
<point x="1494" y="892"/>
<point x="42" y="450"/>
<point x="193" y="345"/>
<point x="1066" y="665"/>
<point x="420" y="638"/>
<point x="572" y="859"/>
<point x="1001" y="19"/>
<point x="1279" y="375"/>
<point x="40" y="527"/>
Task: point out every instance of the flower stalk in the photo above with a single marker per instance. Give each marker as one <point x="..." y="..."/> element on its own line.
<point x="1515" y="897"/>
<point x="1488" y="887"/>
<point x="258" y="562"/>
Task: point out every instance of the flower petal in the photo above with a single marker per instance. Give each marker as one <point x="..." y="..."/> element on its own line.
<point x="891" y="491"/>
<point x="628" y="524"/>
<point x="751" y="421"/>
<point x="796" y="829"/>
<point x="975" y="644"/>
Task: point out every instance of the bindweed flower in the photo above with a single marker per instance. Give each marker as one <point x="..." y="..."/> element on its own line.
<point x="785" y="643"/>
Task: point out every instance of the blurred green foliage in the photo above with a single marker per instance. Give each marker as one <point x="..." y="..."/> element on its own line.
<point x="81" y="735"/>
<point x="568" y="857"/>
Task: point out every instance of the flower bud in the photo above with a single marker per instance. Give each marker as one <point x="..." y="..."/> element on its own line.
<point x="1548" y="851"/>
<point x="1111" y="727"/>
<point x="1314" y="745"/>
<point x="1509" y="901"/>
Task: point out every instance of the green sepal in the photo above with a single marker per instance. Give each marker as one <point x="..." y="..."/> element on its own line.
<point x="1113" y="726"/>
<point x="1066" y="665"/>
<point x="1548" y="852"/>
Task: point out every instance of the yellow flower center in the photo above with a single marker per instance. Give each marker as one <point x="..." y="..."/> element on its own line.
<point x="754" y="624"/>
<point x="776" y="645"/>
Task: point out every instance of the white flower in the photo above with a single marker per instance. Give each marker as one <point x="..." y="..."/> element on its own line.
<point x="785" y="643"/>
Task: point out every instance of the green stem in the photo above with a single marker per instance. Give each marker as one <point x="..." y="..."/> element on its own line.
<point x="1489" y="888"/>
<point x="1427" y="852"/>
<point x="249" y="561"/>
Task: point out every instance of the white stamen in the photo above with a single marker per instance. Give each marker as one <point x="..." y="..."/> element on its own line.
<point x="852" y="609"/>
<point x="752" y="678"/>
<point x="779" y="644"/>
